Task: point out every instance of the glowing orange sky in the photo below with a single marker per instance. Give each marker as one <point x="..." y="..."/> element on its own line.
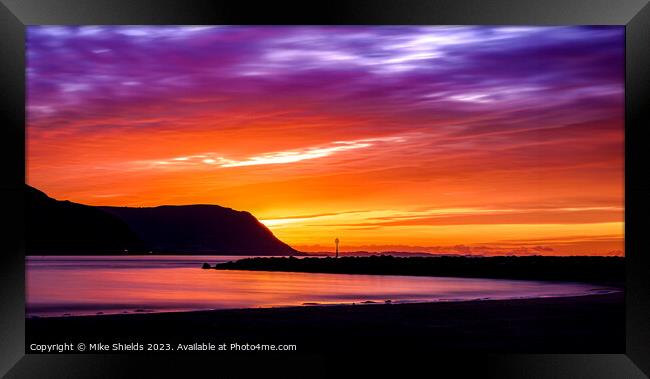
<point x="461" y="140"/>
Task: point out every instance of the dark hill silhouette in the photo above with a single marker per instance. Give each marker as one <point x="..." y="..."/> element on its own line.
<point x="67" y="228"/>
<point x="56" y="227"/>
<point x="610" y="270"/>
<point x="201" y="229"/>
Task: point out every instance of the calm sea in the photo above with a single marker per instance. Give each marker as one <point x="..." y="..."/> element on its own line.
<point x="71" y="285"/>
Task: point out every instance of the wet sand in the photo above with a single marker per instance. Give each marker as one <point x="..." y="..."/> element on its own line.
<point x="583" y="324"/>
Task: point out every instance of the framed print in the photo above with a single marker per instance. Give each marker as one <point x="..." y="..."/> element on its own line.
<point x="217" y="186"/>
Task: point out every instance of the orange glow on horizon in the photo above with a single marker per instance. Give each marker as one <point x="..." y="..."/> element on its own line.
<point x="375" y="196"/>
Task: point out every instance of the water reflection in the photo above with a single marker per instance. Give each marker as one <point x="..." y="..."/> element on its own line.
<point x="123" y="284"/>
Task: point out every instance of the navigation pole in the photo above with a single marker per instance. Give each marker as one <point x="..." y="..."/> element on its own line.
<point x="336" y="241"/>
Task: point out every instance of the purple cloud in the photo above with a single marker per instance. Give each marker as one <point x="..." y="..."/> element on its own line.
<point x="384" y="73"/>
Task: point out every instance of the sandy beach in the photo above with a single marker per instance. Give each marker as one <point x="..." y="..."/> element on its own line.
<point x="583" y="324"/>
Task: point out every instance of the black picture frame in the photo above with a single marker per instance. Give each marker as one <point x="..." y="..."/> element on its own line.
<point x="15" y="15"/>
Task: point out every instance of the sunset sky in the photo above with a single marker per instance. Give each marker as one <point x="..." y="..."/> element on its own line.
<point x="472" y="140"/>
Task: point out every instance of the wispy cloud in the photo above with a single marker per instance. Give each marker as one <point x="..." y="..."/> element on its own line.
<point x="278" y="157"/>
<point x="454" y="216"/>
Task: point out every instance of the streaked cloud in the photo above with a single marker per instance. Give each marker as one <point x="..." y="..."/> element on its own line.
<point x="278" y="157"/>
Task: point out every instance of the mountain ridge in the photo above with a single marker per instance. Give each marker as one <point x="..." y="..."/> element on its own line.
<point x="68" y="228"/>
